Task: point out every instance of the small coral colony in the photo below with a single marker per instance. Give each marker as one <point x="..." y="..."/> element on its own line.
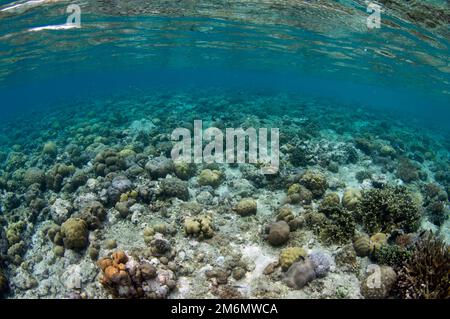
<point x="93" y="206"/>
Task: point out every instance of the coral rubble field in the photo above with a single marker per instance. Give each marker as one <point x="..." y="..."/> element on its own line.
<point x="93" y="206"/>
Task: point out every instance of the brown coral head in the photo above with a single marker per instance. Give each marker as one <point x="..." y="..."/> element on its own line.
<point x="119" y="257"/>
<point x="104" y="263"/>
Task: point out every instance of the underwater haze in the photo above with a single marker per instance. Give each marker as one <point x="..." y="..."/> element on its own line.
<point x="93" y="204"/>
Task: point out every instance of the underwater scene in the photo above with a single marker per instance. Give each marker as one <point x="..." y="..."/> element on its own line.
<point x="240" y="149"/>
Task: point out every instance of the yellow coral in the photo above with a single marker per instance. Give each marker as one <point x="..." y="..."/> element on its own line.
<point x="191" y="226"/>
<point x="199" y="226"/>
<point x="126" y="152"/>
<point x="290" y="255"/>
<point x="293" y="189"/>
<point x="377" y="240"/>
<point x="351" y="198"/>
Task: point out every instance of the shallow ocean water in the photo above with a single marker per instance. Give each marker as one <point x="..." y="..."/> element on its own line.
<point x="87" y="113"/>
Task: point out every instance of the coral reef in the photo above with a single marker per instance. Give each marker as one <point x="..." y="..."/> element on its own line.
<point x="225" y="230"/>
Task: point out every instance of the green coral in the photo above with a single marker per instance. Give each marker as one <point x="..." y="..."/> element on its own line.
<point x="290" y="255"/>
<point x="14" y="232"/>
<point x="34" y="176"/>
<point x="351" y="198"/>
<point x="389" y="208"/>
<point x="75" y="233"/>
<point x="200" y="227"/>
<point x="340" y="226"/>
<point x="246" y="207"/>
<point x="210" y="177"/>
<point x="299" y="194"/>
<point x="391" y="255"/>
<point x="330" y="200"/>
<point x="50" y="149"/>
<point x="184" y="170"/>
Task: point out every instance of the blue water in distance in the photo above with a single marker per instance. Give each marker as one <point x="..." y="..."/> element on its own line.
<point x="53" y="66"/>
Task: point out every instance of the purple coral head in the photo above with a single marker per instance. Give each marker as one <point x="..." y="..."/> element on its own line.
<point x="321" y="262"/>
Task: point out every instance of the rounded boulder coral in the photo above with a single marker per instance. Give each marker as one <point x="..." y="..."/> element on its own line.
<point x="209" y="177"/>
<point x="351" y="198"/>
<point x="246" y="207"/>
<point x="299" y="274"/>
<point x="314" y="181"/>
<point x="278" y="233"/>
<point x="75" y="233"/>
<point x="379" y="282"/>
<point x="290" y="255"/>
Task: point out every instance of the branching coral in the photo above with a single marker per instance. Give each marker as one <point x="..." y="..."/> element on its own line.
<point x="389" y="208"/>
<point x="339" y="227"/>
<point x="426" y="275"/>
